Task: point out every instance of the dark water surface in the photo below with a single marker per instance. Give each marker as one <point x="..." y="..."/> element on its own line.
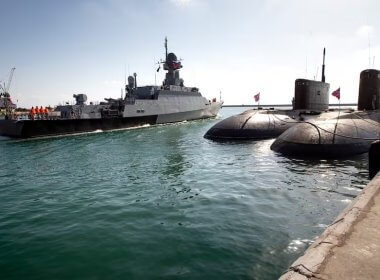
<point x="162" y="203"/>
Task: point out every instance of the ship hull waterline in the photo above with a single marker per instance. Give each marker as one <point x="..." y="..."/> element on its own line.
<point x="23" y="129"/>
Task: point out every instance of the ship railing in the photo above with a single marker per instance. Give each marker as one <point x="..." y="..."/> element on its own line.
<point x="20" y="116"/>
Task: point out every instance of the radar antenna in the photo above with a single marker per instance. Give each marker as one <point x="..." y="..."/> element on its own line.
<point x="323" y="65"/>
<point x="166" y="48"/>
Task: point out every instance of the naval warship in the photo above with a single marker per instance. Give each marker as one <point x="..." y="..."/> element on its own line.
<point x="145" y="105"/>
<point x="310" y="100"/>
<point x="346" y="134"/>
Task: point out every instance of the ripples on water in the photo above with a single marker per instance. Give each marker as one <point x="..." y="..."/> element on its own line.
<point x="162" y="203"/>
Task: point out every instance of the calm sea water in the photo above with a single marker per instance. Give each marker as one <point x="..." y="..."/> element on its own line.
<point x="163" y="203"/>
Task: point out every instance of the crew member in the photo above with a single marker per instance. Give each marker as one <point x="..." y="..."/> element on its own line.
<point x="46" y="112"/>
<point x="31" y="114"/>
<point x="37" y="112"/>
<point x="42" y="112"/>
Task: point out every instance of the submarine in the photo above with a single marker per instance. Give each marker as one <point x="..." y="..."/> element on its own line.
<point x="144" y="105"/>
<point x="345" y="134"/>
<point x="311" y="98"/>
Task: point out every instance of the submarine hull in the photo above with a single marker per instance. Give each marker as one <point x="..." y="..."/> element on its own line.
<point x="251" y="124"/>
<point x="259" y="124"/>
<point x="326" y="151"/>
<point x="338" y="137"/>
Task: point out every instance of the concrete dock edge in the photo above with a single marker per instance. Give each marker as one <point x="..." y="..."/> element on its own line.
<point x="307" y="266"/>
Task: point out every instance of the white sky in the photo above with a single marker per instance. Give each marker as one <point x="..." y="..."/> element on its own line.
<point x="239" y="47"/>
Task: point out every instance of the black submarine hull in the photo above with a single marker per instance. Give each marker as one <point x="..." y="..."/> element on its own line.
<point x="40" y="128"/>
<point x="323" y="151"/>
<point x="349" y="135"/>
<point x="252" y="124"/>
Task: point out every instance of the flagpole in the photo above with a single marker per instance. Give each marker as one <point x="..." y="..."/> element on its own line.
<point x="258" y="102"/>
<point x="257" y="99"/>
<point x="339" y="104"/>
<point x="155" y="72"/>
<point x="337" y="119"/>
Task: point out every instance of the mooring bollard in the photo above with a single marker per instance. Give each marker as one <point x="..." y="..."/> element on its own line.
<point x="374" y="159"/>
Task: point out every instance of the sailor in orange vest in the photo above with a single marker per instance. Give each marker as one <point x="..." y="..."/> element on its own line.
<point x="32" y="112"/>
<point x="37" y="112"/>
<point x="46" y="111"/>
<point x="42" y="112"/>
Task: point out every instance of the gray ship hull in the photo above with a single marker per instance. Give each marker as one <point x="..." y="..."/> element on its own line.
<point x="42" y="128"/>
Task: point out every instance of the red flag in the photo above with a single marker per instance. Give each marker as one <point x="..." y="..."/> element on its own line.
<point x="336" y="93"/>
<point x="257" y="97"/>
<point x="176" y="65"/>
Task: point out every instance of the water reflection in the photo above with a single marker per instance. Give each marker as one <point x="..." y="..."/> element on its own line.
<point x="327" y="175"/>
<point x="175" y="157"/>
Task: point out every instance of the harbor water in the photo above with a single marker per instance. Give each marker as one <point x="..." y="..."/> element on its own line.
<point x="162" y="202"/>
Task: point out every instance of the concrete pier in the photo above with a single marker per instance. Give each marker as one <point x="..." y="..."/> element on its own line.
<point x="374" y="159"/>
<point x="350" y="247"/>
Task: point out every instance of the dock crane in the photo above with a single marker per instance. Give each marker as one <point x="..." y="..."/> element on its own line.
<point x="5" y="97"/>
<point x="4" y="88"/>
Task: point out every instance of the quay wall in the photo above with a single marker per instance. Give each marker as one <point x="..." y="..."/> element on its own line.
<point x="318" y="254"/>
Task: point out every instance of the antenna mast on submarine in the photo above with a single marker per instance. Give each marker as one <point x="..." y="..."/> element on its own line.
<point x="166" y="48"/>
<point x="323" y="65"/>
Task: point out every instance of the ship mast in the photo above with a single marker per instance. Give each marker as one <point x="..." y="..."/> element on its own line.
<point x="171" y="64"/>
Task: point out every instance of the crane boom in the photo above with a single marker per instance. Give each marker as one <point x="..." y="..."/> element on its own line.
<point x="10" y="80"/>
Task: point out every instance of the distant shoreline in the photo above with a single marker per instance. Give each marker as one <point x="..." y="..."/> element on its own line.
<point x="286" y="105"/>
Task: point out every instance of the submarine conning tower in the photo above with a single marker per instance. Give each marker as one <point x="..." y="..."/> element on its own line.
<point x="310" y="94"/>
<point x="369" y="90"/>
